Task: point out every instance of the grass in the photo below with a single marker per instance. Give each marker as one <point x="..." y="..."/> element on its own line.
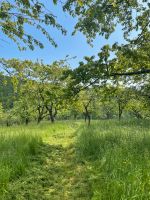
<point x="109" y="160"/>
<point x="17" y="147"/>
<point x="50" y="169"/>
<point x="117" y="156"/>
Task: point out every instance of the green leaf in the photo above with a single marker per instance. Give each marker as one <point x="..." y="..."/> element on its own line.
<point x="80" y="2"/>
<point x="55" y="2"/>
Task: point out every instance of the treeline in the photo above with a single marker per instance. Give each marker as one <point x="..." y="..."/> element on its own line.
<point x="115" y="83"/>
<point x="35" y="92"/>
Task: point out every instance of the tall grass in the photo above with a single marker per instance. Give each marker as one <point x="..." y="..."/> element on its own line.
<point x="20" y="144"/>
<point x="17" y="146"/>
<point x="117" y="155"/>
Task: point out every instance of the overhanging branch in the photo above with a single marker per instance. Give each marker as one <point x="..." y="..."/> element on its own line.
<point x="143" y="71"/>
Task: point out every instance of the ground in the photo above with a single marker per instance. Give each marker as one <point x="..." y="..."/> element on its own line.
<point x="109" y="160"/>
<point x="54" y="173"/>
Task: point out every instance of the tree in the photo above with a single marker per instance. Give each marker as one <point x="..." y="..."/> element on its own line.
<point x="75" y="107"/>
<point x="126" y="65"/>
<point x="1" y="111"/>
<point x="16" y="15"/>
<point x="24" y="106"/>
<point x="101" y="17"/>
<point x="50" y="89"/>
<point x="107" y="104"/>
<point x="87" y="99"/>
<point x="39" y="85"/>
<point x="139" y="105"/>
<point x="6" y="92"/>
<point x="122" y="98"/>
<point x="137" y="108"/>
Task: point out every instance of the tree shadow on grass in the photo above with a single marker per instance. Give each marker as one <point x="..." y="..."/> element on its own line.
<point x="54" y="174"/>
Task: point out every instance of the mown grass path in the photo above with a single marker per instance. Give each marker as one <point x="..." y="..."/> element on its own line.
<point x="55" y="173"/>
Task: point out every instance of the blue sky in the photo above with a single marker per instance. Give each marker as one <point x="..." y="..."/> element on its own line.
<point x="67" y="45"/>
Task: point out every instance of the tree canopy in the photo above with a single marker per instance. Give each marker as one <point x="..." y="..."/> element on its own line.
<point x="102" y="17"/>
<point x="16" y="15"/>
<point x="94" y="17"/>
<point x="51" y="86"/>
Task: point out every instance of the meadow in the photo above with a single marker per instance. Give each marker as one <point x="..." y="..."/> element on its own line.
<point x="110" y="160"/>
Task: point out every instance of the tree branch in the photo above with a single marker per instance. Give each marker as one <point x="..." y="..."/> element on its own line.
<point x="143" y="71"/>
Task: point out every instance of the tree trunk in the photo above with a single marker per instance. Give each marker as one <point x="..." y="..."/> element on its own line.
<point x="27" y="121"/>
<point x="7" y="124"/>
<point x="87" y="115"/>
<point x="39" y="119"/>
<point x="75" y="116"/>
<point x="120" y="111"/>
<point x="41" y="114"/>
<point x="52" y="118"/>
<point x="52" y="114"/>
<point x="89" y="120"/>
<point x="120" y="114"/>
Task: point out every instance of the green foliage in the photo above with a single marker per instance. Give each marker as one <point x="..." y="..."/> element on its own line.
<point x="55" y="1"/>
<point x="16" y="16"/>
<point x="94" y="17"/>
<point x="108" y="109"/>
<point x="39" y="91"/>
<point x="139" y="108"/>
<point x="127" y="65"/>
<point x="6" y="91"/>
<point x="23" y="110"/>
<point x="1" y="111"/>
<point x="101" y="17"/>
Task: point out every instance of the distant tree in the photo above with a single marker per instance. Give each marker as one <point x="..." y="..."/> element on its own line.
<point x="1" y="111"/>
<point x="87" y="99"/>
<point x="50" y="89"/>
<point x="6" y="92"/>
<point x="139" y="107"/>
<point x="108" y="107"/>
<point x="24" y="108"/>
<point x="38" y="84"/>
<point x="76" y="107"/>
<point x="122" y="96"/>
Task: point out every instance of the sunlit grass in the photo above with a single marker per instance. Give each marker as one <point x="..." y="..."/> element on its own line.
<point x="17" y="146"/>
<point x="110" y="160"/>
<point x="37" y="162"/>
<point x="117" y="155"/>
